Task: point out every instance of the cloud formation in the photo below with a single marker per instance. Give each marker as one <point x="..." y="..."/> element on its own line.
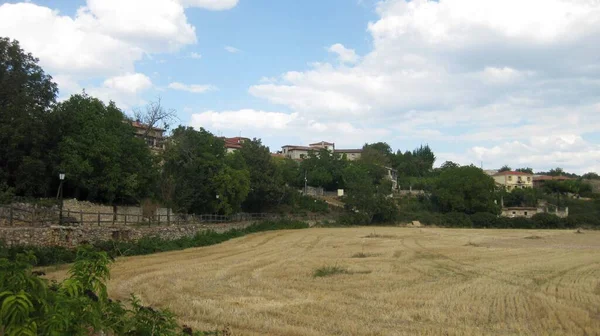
<point x="100" y="42"/>
<point x="478" y="74"/>
<point x="193" y="88"/>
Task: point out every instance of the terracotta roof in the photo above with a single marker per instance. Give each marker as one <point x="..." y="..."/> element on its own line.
<point x="322" y="143"/>
<point x="349" y="150"/>
<point x="235" y="142"/>
<point x="548" y="178"/>
<point x="512" y="173"/>
<point x="138" y="124"/>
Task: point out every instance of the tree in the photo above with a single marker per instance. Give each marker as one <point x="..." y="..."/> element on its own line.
<point x="99" y="153"/>
<point x="154" y="114"/>
<point x="449" y="165"/>
<point x="464" y="189"/>
<point x="324" y="169"/>
<point x="505" y="168"/>
<point x="591" y="176"/>
<point x="267" y="188"/>
<point x="26" y="97"/>
<point x="196" y="163"/>
<point x="368" y="202"/>
<point x="526" y="170"/>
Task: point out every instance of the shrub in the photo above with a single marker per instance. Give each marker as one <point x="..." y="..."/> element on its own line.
<point x="547" y="221"/>
<point x="77" y="306"/>
<point x="329" y="270"/>
<point x="457" y="219"/>
<point x="483" y="220"/>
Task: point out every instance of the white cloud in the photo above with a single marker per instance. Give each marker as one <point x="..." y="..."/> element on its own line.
<point x="460" y="72"/>
<point x="194" y="88"/>
<point x="232" y="50"/>
<point x="195" y="55"/>
<point x="344" y="55"/>
<point x="568" y="151"/>
<point x="123" y="90"/>
<point x="210" y="4"/>
<point x="105" y="38"/>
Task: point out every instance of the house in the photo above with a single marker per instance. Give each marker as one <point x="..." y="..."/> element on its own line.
<point x="153" y="136"/>
<point x="540" y="180"/>
<point x="299" y="152"/>
<point x="513" y="180"/>
<point x="233" y="144"/>
<point x="351" y="154"/>
<point x="526" y="212"/>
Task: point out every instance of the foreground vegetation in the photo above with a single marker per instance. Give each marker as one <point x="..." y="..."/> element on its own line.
<point x="52" y="255"/>
<point x="414" y="282"/>
<point x="79" y="305"/>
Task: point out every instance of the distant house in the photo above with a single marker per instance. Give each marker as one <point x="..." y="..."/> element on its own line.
<point x="153" y="136"/>
<point x="540" y="180"/>
<point x="233" y="144"/>
<point x="351" y="154"/>
<point x="299" y="152"/>
<point x="512" y="180"/>
<point x="392" y="175"/>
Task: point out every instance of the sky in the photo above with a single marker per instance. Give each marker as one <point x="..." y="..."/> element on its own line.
<point x="488" y="83"/>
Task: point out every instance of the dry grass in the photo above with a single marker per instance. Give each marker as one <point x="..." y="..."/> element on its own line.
<point x="425" y="282"/>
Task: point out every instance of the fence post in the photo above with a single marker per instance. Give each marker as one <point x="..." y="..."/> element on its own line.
<point x="168" y="216"/>
<point x="10" y="220"/>
<point x="158" y="219"/>
<point x="98" y="218"/>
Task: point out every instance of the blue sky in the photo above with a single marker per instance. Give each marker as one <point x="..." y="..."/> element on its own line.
<point x="498" y="82"/>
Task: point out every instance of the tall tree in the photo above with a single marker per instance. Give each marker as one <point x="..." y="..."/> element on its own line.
<point x="505" y="168"/>
<point x="155" y="115"/>
<point x="464" y="189"/>
<point x="526" y="170"/>
<point x="99" y="153"/>
<point x="196" y="163"/>
<point x="267" y="187"/>
<point x="27" y="94"/>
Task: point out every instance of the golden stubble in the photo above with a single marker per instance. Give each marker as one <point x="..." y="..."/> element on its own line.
<point x="399" y="281"/>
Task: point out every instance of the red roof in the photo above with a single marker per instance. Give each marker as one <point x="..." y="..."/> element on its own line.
<point x="235" y="142"/>
<point x="512" y="173"/>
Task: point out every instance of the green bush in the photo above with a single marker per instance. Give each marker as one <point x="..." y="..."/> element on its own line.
<point x="457" y="219"/>
<point x="484" y="220"/>
<point x="547" y="221"/>
<point x="77" y="306"/>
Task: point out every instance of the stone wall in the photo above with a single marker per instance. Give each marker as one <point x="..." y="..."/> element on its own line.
<point x="72" y="236"/>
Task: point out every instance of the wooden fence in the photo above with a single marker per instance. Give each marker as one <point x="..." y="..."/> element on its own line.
<point x="14" y="216"/>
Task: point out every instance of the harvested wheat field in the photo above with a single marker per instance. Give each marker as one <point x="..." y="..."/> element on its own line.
<point x="391" y="281"/>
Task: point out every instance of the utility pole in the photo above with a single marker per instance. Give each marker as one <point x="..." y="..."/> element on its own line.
<point x="305" y="183"/>
<point x="60" y="192"/>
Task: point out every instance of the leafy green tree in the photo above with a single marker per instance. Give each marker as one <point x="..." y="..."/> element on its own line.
<point x="196" y="164"/>
<point x="527" y="197"/>
<point x="323" y="169"/>
<point x="97" y="150"/>
<point x="26" y="97"/>
<point x="267" y="188"/>
<point x="505" y="168"/>
<point x="369" y="203"/>
<point x="464" y="189"/>
<point x="591" y="176"/>
<point x="449" y="165"/>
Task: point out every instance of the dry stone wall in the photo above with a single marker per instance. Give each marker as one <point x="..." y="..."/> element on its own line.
<point x="72" y="236"/>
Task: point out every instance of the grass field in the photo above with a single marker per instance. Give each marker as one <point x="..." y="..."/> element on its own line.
<point x="378" y="281"/>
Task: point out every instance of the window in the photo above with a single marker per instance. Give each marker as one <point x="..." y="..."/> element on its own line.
<point x="529" y="179"/>
<point x="510" y="178"/>
<point x="514" y="212"/>
<point x="525" y="213"/>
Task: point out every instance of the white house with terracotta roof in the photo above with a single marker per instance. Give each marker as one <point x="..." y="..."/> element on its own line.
<point x="299" y="152"/>
<point x="513" y="180"/>
<point x="233" y="144"/>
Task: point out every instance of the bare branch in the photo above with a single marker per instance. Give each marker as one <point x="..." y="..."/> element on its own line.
<point x="153" y="114"/>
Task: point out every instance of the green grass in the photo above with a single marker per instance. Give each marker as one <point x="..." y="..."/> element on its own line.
<point x="329" y="271"/>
